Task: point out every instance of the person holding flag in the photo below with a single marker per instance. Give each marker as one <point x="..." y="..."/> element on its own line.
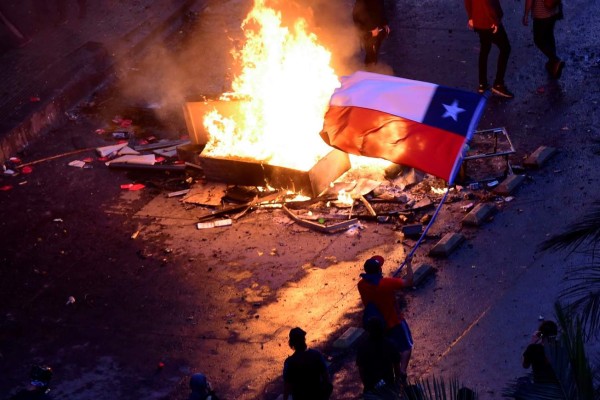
<point x="378" y="293"/>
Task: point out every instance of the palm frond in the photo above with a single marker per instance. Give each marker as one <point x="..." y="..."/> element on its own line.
<point x="521" y="389"/>
<point x="585" y="230"/>
<point x="572" y="339"/>
<point x="438" y="389"/>
<point x="582" y="298"/>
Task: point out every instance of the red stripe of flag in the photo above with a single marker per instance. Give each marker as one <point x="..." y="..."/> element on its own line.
<point x="374" y="133"/>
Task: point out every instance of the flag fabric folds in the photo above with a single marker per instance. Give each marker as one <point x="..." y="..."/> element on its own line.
<point x="418" y="124"/>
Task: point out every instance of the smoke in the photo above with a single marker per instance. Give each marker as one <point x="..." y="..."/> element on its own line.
<point x="331" y="21"/>
<point x="194" y="64"/>
<point x="199" y="63"/>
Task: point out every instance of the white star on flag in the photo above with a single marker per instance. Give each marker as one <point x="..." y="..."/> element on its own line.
<point x="452" y="110"/>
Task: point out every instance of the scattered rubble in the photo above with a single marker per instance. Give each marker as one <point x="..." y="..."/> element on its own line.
<point x="397" y="195"/>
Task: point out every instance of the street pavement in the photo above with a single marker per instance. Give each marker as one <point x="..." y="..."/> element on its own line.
<point x="471" y="321"/>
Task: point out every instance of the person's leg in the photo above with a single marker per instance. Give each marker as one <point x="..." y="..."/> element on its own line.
<point x="500" y="39"/>
<point x="543" y="37"/>
<point x="404" y="361"/>
<point x="371" y="48"/>
<point x="555" y="65"/>
<point x="485" y="45"/>
<point x="378" y="42"/>
<point x="402" y="338"/>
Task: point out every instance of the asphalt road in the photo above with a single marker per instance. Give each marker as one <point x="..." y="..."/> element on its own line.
<point x="222" y="301"/>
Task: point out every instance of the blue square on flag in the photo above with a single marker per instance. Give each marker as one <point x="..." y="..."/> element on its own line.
<point x="452" y="110"/>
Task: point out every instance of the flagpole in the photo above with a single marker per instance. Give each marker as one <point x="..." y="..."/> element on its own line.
<point x="412" y="252"/>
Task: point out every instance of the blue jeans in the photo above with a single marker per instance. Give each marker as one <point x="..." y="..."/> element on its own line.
<point x="401" y="336"/>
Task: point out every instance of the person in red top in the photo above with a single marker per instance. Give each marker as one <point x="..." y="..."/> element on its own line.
<point x="376" y="290"/>
<point x="485" y="18"/>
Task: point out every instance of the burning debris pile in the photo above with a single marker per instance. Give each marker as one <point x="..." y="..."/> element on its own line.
<point x="332" y="196"/>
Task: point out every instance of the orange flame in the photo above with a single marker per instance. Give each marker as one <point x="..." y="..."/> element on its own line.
<point x="283" y="92"/>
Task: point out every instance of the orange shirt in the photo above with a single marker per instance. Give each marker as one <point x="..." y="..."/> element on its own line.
<point x="383" y="296"/>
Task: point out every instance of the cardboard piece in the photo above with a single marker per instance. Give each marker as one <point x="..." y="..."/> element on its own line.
<point x="148" y="159"/>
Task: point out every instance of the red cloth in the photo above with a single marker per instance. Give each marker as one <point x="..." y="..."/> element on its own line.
<point x="484" y="13"/>
<point x="384" y="297"/>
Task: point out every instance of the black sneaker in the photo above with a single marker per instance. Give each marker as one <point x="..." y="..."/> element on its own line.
<point x="483" y="88"/>
<point x="502" y="90"/>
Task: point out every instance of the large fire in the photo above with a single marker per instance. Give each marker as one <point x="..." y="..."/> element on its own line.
<point x="283" y="91"/>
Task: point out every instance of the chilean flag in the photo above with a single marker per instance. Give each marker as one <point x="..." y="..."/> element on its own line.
<point x="419" y="124"/>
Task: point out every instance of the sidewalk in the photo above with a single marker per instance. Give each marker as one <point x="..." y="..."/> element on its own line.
<point x="67" y="58"/>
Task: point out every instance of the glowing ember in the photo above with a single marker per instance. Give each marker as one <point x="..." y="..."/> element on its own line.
<point x="345" y="198"/>
<point x="439" y="190"/>
<point x="283" y="92"/>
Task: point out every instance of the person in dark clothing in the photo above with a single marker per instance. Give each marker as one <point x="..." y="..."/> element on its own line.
<point x="372" y="25"/>
<point x="39" y="385"/>
<point x="378" y="360"/>
<point x="305" y="374"/>
<point x="200" y="388"/>
<point x="485" y="18"/>
<point x="535" y="354"/>
<point x="544" y="19"/>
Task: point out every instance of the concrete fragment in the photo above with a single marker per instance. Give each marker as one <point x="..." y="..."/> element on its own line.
<point x="447" y="245"/>
<point x="508" y="185"/>
<point x="539" y="157"/>
<point x="421" y="273"/>
<point x="412" y="231"/>
<point x="423" y="203"/>
<point x="348" y="338"/>
<point x="479" y="214"/>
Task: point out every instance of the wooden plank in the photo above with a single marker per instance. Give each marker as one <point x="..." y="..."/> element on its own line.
<point x="368" y="206"/>
<point x="160" y="145"/>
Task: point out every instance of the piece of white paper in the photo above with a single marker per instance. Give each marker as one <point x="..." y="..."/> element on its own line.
<point x="77" y="163"/>
<point x="214" y="224"/>
<point x="107" y="150"/>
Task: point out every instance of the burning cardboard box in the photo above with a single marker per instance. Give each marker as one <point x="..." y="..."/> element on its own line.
<point x="241" y="170"/>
